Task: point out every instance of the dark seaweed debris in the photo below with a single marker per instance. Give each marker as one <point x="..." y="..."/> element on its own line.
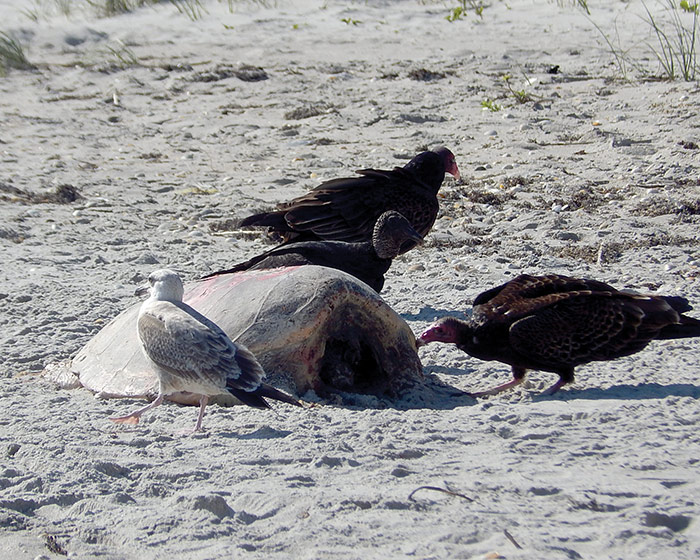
<point x="423" y="75"/>
<point x="244" y="72"/>
<point x="62" y="194"/>
<point x="307" y="111"/>
<point x="613" y="251"/>
<point x="662" y="206"/>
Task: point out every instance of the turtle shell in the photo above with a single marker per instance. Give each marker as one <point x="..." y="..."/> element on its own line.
<point x="311" y="328"/>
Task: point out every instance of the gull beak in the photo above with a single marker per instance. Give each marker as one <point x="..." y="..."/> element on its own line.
<point x="142" y="291"/>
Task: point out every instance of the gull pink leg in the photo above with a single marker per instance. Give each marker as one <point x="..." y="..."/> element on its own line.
<point x="134" y="417"/>
<point x="202" y="405"/>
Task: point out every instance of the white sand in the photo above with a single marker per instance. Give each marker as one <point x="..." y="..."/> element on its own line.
<point x="606" y="469"/>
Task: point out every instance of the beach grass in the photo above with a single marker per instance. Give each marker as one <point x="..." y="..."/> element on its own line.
<point x="122" y="56"/>
<point x="677" y="36"/>
<point x="193" y="9"/>
<point x="12" y="54"/>
<point x="674" y="26"/>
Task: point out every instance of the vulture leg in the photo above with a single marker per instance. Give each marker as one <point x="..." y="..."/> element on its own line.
<point x="518" y="377"/>
<point x="566" y="376"/>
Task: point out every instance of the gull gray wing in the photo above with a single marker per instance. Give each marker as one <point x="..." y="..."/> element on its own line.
<point x="249" y="373"/>
<point x="190" y="346"/>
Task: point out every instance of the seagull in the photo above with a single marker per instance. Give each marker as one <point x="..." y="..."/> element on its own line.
<point x="192" y="354"/>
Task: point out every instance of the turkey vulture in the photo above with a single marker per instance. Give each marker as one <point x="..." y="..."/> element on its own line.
<point x="191" y="353"/>
<point x="347" y="209"/>
<point x="367" y="260"/>
<point x="555" y="323"/>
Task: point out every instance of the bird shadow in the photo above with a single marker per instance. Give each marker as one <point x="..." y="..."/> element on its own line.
<point x="429" y="313"/>
<point x="642" y="391"/>
<point x="452" y="371"/>
<point x="430" y="392"/>
<point x="266" y="432"/>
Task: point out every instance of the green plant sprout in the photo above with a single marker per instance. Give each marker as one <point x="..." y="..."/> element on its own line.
<point x="458" y="12"/>
<point x="491" y="105"/>
<point x="688" y="7"/>
<point x="521" y="96"/>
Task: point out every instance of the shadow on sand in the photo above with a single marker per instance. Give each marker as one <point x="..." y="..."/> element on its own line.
<point x="430" y="314"/>
<point x="643" y="391"/>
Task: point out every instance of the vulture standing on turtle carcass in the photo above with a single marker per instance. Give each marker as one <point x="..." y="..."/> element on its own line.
<point x="555" y="323"/>
<point x="367" y="260"/>
<point x="347" y="209"/>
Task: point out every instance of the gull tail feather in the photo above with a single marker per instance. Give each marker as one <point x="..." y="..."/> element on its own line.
<point x="256" y="398"/>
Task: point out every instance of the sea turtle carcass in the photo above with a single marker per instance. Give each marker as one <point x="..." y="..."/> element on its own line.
<point x="311" y="328"/>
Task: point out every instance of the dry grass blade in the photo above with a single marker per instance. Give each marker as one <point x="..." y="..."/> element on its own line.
<point x="666" y="56"/>
<point x="621" y="56"/>
<point x="111" y="8"/>
<point x="437" y="489"/>
<point x="191" y="8"/>
<point x="12" y="54"/>
<point x="675" y="26"/>
<point x="511" y="539"/>
<point x="123" y="57"/>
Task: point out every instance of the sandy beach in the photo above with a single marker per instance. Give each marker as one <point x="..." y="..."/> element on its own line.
<point x="139" y="140"/>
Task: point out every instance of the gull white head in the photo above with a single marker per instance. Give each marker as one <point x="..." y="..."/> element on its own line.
<point x="166" y="285"/>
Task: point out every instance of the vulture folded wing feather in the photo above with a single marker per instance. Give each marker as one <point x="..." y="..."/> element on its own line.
<point x="395" y="178"/>
<point x="273" y="219"/>
<point x="512" y="307"/>
<point x="535" y="286"/>
<point x="247" y="265"/>
<point x="526" y="286"/>
<point x="488" y="295"/>
<point x="524" y="294"/>
<point x="574" y="330"/>
<point x="341" y="230"/>
<point x="335" y="225"/>
<point x="647" y="316"/>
